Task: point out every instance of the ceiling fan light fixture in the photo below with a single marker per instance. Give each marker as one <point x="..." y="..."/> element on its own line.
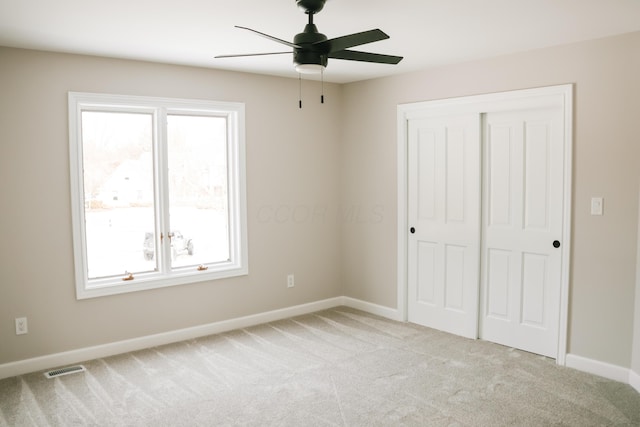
<point x="309" y="68"/>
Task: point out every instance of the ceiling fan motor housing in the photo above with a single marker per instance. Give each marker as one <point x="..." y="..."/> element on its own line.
<point x="306" y="57"/>
<point x="306" y="54"/>
<point x="310" y="6"/>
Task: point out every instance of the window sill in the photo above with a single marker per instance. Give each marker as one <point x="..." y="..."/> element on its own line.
<point x="111" y="286"/>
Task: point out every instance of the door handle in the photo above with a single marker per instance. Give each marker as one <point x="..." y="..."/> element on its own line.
<point x="556" y="244"/>
<point x="412" y="230"/>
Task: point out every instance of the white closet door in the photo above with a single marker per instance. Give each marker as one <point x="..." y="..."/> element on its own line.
<point x="444" y="219"/>
<point x="522" y="229"/>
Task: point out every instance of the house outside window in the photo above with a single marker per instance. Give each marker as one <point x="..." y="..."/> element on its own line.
<point x="158" y="192"/>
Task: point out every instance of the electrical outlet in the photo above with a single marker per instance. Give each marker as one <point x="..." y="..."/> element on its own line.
<point x="290" y="281"/>
<point x="21" y="326"/>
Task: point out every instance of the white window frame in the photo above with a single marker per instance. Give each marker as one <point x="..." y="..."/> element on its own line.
<point x="237" y="265"/>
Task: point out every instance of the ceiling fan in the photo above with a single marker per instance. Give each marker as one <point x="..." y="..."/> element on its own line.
<point x="312" y="49"/>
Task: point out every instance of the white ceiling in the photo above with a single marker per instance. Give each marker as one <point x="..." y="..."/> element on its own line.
<point x="428" y="33"/>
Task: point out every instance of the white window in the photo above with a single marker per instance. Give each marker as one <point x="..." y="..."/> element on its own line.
<point x="157" y="191"/>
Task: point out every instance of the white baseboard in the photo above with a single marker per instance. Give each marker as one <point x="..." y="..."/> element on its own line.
<point x="634" y="380"/>
<point x="379" y="310"/>
<point x="74" y="356"/>
<point x="49" y="361"/>
<point x="105" y="350"/>
<point x="602" y="369"/>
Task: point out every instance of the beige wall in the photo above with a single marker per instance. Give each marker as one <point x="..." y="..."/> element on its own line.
<point x="606" y="163"/>
<point x="337" y="161"/>
<point x="292" y="169"/>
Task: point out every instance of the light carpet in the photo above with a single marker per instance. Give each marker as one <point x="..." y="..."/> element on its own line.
<point x="339" y="367"/>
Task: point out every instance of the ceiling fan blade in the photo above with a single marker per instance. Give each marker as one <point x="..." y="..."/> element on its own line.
<point x="354" y="55"/>
<point x="251" y="54"/>
<point x="275" y="39"/>
<point x="351" y="40"/>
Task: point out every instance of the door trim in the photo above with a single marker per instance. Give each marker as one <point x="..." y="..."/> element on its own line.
<point x="486" y="103"/>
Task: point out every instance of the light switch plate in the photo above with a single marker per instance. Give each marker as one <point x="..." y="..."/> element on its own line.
<point x="597" y="206"/>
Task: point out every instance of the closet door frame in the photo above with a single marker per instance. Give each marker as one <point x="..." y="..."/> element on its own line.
<point x="481" y="104"/>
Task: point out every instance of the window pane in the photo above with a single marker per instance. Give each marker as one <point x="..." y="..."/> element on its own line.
<point x="144" y="167"/>
<point x="118" y="183"/>
<point x="197" y="153"/>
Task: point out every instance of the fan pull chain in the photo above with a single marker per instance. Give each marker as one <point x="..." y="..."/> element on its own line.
<point x="322" y="83"/>
<point x="300" y="90"/>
